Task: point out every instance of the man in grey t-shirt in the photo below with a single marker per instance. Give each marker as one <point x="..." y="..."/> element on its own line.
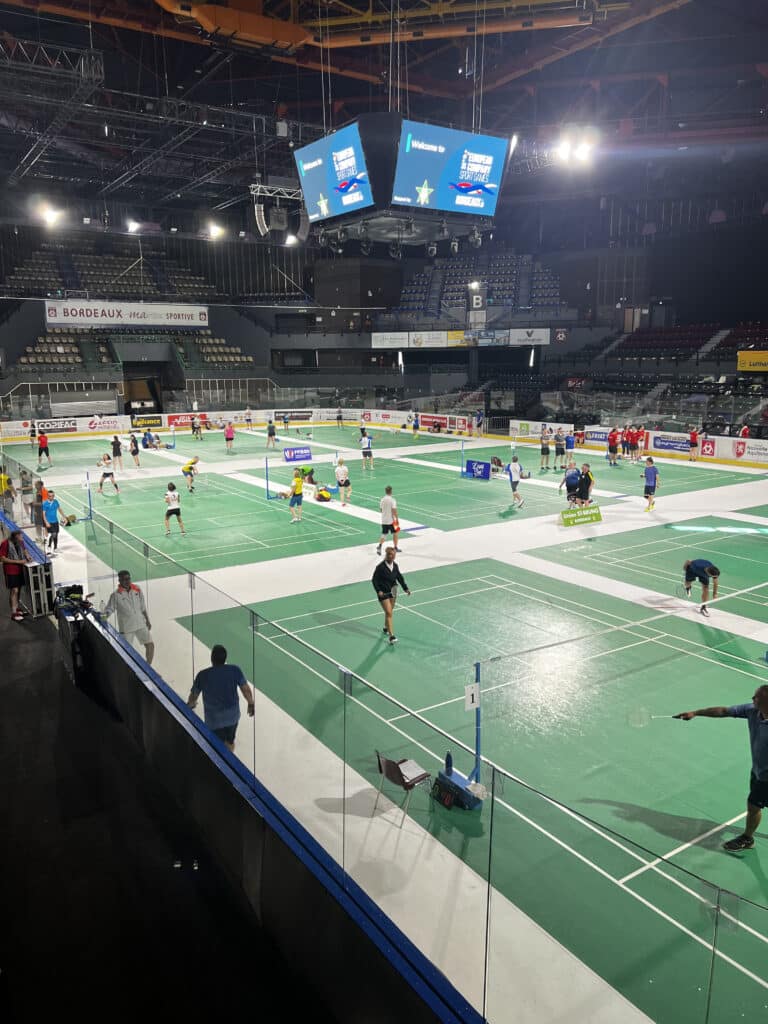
<point x="756" y="715"/>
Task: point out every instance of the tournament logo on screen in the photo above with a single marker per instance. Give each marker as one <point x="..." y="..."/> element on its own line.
<point x="334" y="176"/>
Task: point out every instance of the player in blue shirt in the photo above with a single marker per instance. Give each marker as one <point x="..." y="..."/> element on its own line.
<point x="571" y="479"/>
<point x="219" y="685"/>
<point x="756" y="715"/>
<point x="51" y="513"/>
<point x="703" y="570"/>
<point x="652" y="481"/>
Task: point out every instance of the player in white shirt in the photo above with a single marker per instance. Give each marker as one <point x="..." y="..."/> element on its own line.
<point x="173" y="511"/>
<point x="389" y="520"/>
<point x="366" y="445"/>
<point x="342" y="479"/>
<point x="515" y="476"/>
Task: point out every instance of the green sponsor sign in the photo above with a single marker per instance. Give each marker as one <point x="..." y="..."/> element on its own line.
<point x="581" y="516"/>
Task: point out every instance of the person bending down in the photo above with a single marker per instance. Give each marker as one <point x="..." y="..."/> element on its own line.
<point x="703" y="570"/>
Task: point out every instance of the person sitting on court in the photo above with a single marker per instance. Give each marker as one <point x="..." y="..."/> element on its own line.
<point x="703" y="570"/>
<point x="147" y="441"/>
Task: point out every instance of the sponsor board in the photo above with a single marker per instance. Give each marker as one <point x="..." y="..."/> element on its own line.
<point x="752" y="361"/>
<point x="743" y="449"/>
<point x="297" y="454"/>
<point x="105" y="423"/>
<point x="184" y="419"/>
<point x="428" y="339"/>
<point x="581" y="516"/>
<point x="389" y="339"/>
<point x="561" y="334"/>
<point x="532" y="428"/>
<point x="478" y="470"/>
<point x="146" y="421"/>
<point x="597" y="434"/>
<point x="670" y="443"/>
<point x="431" y="420"/>
<point x="87" y="313"/>
<point x="708" y="448"/>
<point x="56" y="426"/>
<point x="529" y="336"/>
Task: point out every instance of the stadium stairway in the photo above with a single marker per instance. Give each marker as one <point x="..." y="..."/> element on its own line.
<point x="434" y="291"/>
<point x="713" y="342"/>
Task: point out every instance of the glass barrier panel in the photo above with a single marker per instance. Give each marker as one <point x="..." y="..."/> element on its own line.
<point x="169" y="603"/>
<point x="740" y="966"/>
<point x="422" y="858"/>
<point x="584" y="918"/>
<point x="96" y="537"/>
<point x="300" y="731"/>
<point x="217" y="619"/>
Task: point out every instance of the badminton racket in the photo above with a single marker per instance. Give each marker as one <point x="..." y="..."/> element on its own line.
<point x="640" y="717"/>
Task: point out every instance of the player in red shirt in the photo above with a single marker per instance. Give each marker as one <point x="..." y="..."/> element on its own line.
<point x="693" y="443"/>
<point x="42" y="449"/>
<point x="744" y="432"/>
<point x="613" y="445"/>
<point x="640" y="431"/>
<point x="624" y="441"/>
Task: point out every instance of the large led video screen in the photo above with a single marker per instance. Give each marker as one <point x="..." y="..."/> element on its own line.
<point x="333" y="175"/>
<point x="444" y="169"/>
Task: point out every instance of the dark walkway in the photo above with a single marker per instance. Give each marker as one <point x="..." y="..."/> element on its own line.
<point x="95" y="920"/>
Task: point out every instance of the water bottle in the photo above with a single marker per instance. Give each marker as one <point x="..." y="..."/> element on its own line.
<point x="448" y="764"/>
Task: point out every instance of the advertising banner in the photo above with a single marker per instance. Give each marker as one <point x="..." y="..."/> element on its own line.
<point x="146" y="421"/>
<point x="743" y="449"/>
<point x="708" y="448"/>
<point x="670" y="443"/>
<point x="297" y="454"/>
<point x="478" y="470"/>
<point x="581" y="516"/>
<point x="389" y="339"/>
<point x="429" y="419"/>
<point x="89" y="313"/>
<point x="532" y="428"/>
<point x="529" y="336"/>
<point x="456" y="338"/>
<point x="752" y="361"/>
<point x="102" y="424"/>
<point x="68" y="426"/>
<point x="184" y="419"/>
<point x="428" y="339"/>
<point x="487" y="337"/>
<point x="596" y="435"/>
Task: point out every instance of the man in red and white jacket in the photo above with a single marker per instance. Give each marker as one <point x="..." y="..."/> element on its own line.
<point x="132" y="618"/>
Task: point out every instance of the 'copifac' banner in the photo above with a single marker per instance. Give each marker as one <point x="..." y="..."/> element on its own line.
<point x="86" y="313"/>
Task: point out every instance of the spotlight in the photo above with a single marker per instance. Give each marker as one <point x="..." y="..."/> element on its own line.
<point x="291" y="239"/>
<point x="582" y="152"/>
<point x="454" y="246"/>
<point x="133" y="226"/>
<point x="50" y="216"/>
<point x="474" y="285"/>
<point x="173" y="230"/>
<point x="215" y="230"/>
<point x="431" y="249"/>
<point x="563" y="151"/>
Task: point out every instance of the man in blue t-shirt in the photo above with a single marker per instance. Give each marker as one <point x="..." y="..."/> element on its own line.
<point x="756" y="715"/>
<point x="219" y="685"/>
<point x="51" y="510"/>
<point x="652" y="481"/>
<point x="703" y="570"/>
<point x="571" y="480"/>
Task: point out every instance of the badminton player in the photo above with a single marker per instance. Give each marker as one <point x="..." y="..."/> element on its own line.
<point x="366" y="444"/>
<point x="342" y="479"/>
<point x="702" y="570"/>
<point x="107" y="472"/>
<point x="385" y="579"/>
<point x="297" y="496"/>
<point x="389" y="520"/>
<point x="189" y="469"/>
<point x="756" y="714"/>
<point x="515" y="471"/>
<point x="173" y="510"/>
<point x="652" y="481"/>
<point x="271" y="434"/>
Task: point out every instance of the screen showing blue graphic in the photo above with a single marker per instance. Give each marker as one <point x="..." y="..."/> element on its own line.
<point x="444" y="169"/>
<point x="333" y="175"/>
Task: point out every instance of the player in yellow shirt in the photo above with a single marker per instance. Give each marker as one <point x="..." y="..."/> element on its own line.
<point x="190" y="470"/>
<point x="297" y="496"/>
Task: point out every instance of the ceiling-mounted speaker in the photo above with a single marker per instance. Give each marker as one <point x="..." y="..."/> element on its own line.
<point x="261" y="220"/>
<point x="302" y="232"/>
<point x="278" y="219"/>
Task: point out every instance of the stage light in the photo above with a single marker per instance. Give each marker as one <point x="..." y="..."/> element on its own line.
<point x="474" y="285"/>
<point x="475" y="239"/>
<point x="214" y="230"/>
<point x="173" y="230"/>
<point x="133" y="226"/>
<point x="50" y="216"/>
<point x="531" y="360"/>
<point x="563" y="151"/>
<point x="431" y="249"/>
<point x="291" y="239"/>
<point x="583" y="152"/>
<point x="454" y="246"/>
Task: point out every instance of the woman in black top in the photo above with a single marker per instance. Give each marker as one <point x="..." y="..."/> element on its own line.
<point x="134" y="450"/>
<point x="117" y="452"/>
<point x="385" y="579"/>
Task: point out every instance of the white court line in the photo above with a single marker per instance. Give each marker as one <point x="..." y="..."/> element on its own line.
<point x="628" y="628"/>
<point x="685" y="846"/>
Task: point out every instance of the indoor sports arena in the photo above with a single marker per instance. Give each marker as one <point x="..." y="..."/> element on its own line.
<point x="384" y="510"/>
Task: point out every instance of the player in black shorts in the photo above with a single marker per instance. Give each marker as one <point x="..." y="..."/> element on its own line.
<point x="385" y="579"/>
<point x="107" y="472"/>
